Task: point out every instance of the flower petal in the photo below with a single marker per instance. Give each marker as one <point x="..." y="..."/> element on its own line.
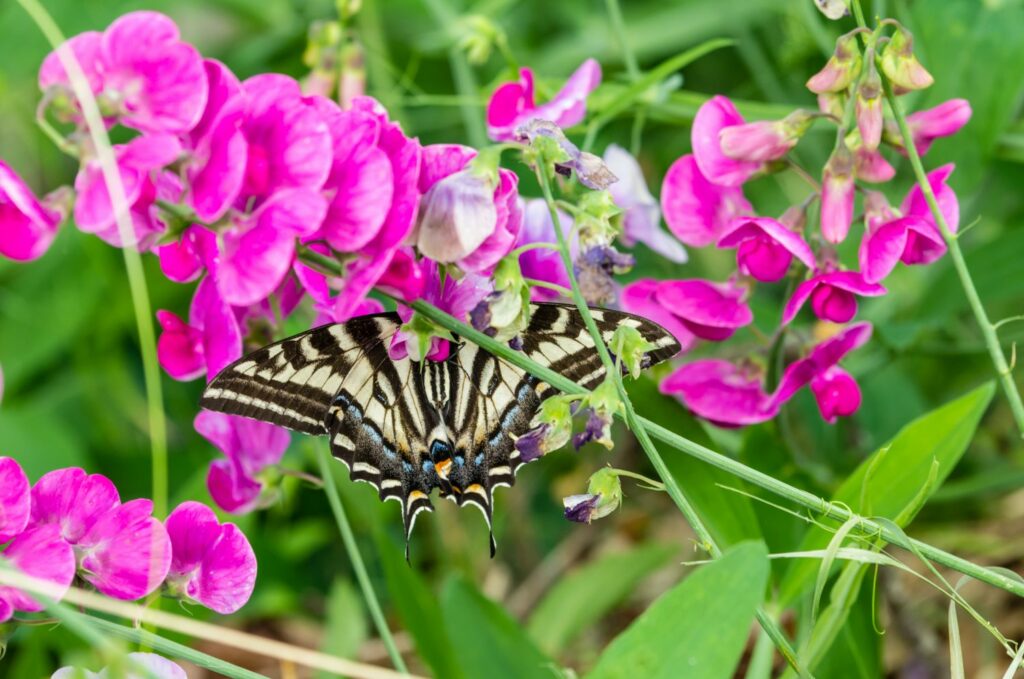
<point x="26" y="227"/>
<point x="127" y="552"/>
<point x="696" y="210"/>
<point x="73" y="500"/>
<point x="712" y="117"/>
<point x="228" y="573"/>
<point x="15" y="499"/>
<point x="42" y="553"/>
<point x="192" y="528"/>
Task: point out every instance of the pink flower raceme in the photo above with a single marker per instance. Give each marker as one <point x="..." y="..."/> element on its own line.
<point x="641" y="217"/>
<point x="213" y="563"/>
<point x="696" y="210"/>
<point x="27" y="226"/>
<point x="714" y="117"/>
<point x="833" y="296"/>
<point x="468" y="214"/>
<point x="765" y="247"/>
<point x="139" y="70"/>
<point x="939" y="121"/>
<point x="137" y="666"/>
<point x="912" y="236"/>
<point x="249" y="447"/>
<point x="721" y="392"/>
<point x="121" y="549"/>
<point x="711" y="311"/>
<point x="835" y="390"/>
<point x="207" y="343"/>
<point x="639" y="298"/>
<point x="512" y="104"/>
<point x="543" y="264"/>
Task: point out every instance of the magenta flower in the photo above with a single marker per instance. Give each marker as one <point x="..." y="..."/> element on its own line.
<point x="121" y="549"/>
<point x="939" y="121"/>
<point x="713" y="117"/>
<point x="27" y="226"/>
<point x="139" y="163"/>
<point x="185" y="259"/>
<point x="765" y="247"/>
<point x="765" y="140"/>
<point x="512" y="104"/>
<point x="833" y="296"/>
<point x="542" y="264"/>
<point x="914" y="237"/>
<point x="711" y="311"/>
<point x="207" y="343"/>
<point x="696" y="210"/>
<point x="721" y="392"/>
<point x="250" y="447"/>
<point x="39" y="552"/>
<point x="152" y="665"/>
<point x="837" y="194"/>
<point x="15" y="499"/>
<point x="213" y="563"/>
<point x="140" y="68"/>
<point x="641" y="218"/>
<point x="639" y="298"/>
<point x="837" y="394"/>
<point x="871" y="166"/>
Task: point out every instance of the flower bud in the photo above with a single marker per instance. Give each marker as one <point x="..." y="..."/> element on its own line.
<point x="869" y="106"/>
<point x="900" y="65"/>
<point x="833" y="9"/>
<point x="630" y="348"/>
<point x="765" y="140"/>
<point x="503" y="313"/>
<point x="594" y="269"/>
<point x="457" y="215"/>
<point x="550" y="429"/>
<point x="836" y="393"/>
<point x="842" y="68"/>
<point x="837" y="194"/>
<point x="603" y="496"/>
<point x="602" y="403"/>
<point x="479" y="36"/>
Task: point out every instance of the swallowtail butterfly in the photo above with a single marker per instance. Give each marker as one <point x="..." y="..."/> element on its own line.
<point x="408" y="428"/>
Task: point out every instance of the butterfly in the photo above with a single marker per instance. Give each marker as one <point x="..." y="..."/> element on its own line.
<point x="408" y="427"/>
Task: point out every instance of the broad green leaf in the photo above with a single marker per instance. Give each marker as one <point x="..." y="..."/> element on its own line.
<point x="892" y="479"/>
<point x="490" y="643"/>
<point x="583" y="596"/>
<point x="418" y="609"/>
<point x="699" y="628"/>
<point x="346" y="626"/>
<point x="728" y="515"/>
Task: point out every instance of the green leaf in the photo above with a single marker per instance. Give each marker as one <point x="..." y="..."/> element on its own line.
<point x="491" y="643"/>
<point x="728" y="515"/>
<point x="892" y="479"/>
<point x="346" y="626"/>
<point x="583" y="596"/>
<point x="418" y="609"/>
<point x="699" y="628"/>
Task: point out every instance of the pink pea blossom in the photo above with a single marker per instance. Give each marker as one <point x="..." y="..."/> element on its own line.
<point x="249" y="447"/>
<point x="837" y="394"/>
<point x="837" y="195"/>
<point x="207" y="343"/>
<point x="27" y="226"/>
<point x="765" y="140"/>
<point x="833" y="296"/>
<point x="121" y="549"/>
<point x="638" y="298"/>
<point x="713" y="117"/>
<point x="711" y="311"/>
<point x="912" y="236"/>
<point x="39" y="552"/>
<point x="139" y="164"/>
<point x="512" y="104"/>
<point x="152" y="666"/>
<point x="842" y="68"/>
<point x="184" y="260"/>
<point x="696" y="210"/>
<point x="765" y="247"/>
<point x="15" y="499"/>
<point x="939" y="121"/>
<point x="542" y="264"/>
<point x="721" y="392"/>
<point x="641" y="218"/>
<point x="213" y="563"/>
<point x="871" y="166"/>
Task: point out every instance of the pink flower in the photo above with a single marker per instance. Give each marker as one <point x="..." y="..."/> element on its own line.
<point x="39" y="552"/>
<point x="939" y="121"/>
<point x="153" y="666"/>
<point x="833" y="296"/>
<point x="121" y="549"/>
<point x="140" y="68"/>
<point x="765" y="140"/>
<point x="765" y="247"/>
<point x="211" y="339"/>
<point x="139" y="163"/>
<point x="834" y="389"/>
<point x="512" y="104"/>
<point x="871" y="166"/>
<point x="15" y="499"/>
<point x="213" y="563"/>
<point x="721" y="392"/>
<point x="638" y="298"/>
<point x="914" y="237"/>
<point x="542" y="264"/>
<point x="185" y="259"/>
<point x="713" y="117"/>
<point x="696" y="210"/>
<point x="250" y="447"/>
<point x="837" y="194"/>
<point x="641" y="219"/>
<point x="711" y="311"/>
<point x="842" y="68"/>
<point x="27" y="227"/>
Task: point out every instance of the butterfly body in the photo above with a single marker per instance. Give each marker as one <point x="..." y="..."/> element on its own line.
<point x="408" y="427"/>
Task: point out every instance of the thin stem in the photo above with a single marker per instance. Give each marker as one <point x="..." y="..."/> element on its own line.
<point x="988" y="330"/>
<point x="769" y="625"/>
<point x="533" y="282"/>
<point x="651" y="483"/>
<point x="132" y="259"/>
<point x="804" y="174"/>
<point x="356" y="557"/>
<point x="619" y="29"/>
<point x="59" y="140"/>
<point x="539" y="245"/>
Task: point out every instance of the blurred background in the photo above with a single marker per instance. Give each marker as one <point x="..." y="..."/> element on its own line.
<point x="74" y="395"/>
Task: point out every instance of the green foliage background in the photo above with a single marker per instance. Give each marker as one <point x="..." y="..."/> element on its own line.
<point x="74" y="393"/>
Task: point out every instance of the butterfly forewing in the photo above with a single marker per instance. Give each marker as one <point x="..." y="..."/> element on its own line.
<point x="406" y="427"/>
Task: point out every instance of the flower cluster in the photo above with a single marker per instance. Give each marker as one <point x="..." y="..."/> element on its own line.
<point x="73" y="524"/>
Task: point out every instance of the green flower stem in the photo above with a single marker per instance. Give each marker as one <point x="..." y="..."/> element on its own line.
<point x="132" y="259"/>
<point x="331" y="486"/>
<point x="619" y="29"/>
<point x="988" y="329"/>
<point x="769" y="625"/>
